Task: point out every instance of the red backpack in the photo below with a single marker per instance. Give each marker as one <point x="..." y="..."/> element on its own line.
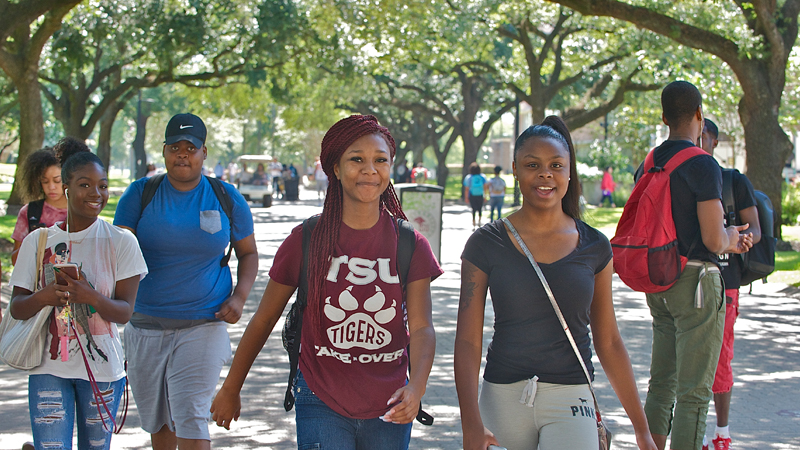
<point x="645" y="245"/>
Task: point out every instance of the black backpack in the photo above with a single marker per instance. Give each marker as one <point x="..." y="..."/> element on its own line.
<point x="293" y="325"/>
<point x="152" y="184"/>
<point x="760" y="260"/>
<point x="35" y="209"/>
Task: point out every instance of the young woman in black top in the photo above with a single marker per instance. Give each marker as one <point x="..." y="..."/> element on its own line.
<point x="535" y="393"/>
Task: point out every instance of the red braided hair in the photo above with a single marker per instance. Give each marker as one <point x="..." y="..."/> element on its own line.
<point x="326" y="234"/>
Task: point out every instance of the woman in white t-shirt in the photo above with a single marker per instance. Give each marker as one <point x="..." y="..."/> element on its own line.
<point x="111" y="266"/>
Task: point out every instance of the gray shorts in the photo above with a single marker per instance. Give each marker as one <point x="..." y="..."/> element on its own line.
<point x="561" y="416"/>
<point x="173" y="375"/>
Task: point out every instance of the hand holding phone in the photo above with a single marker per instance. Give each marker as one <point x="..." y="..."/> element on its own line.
<point x="70" y="269"/>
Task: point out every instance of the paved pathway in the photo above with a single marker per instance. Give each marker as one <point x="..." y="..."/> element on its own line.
<point x="766" y="405"/>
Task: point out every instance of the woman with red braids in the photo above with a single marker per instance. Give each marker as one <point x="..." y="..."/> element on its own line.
<point x="352" y="387"/>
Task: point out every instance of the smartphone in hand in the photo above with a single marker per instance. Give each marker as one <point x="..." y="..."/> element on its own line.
<point x="70" y="269"/>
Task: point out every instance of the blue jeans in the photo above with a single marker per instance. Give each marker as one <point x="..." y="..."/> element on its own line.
<point x="53" y="403"/>
<point x="496" y="202"/>
<point x="320" y="427"/>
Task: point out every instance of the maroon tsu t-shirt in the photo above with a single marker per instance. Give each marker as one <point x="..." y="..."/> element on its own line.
<point x="361" y="359"/>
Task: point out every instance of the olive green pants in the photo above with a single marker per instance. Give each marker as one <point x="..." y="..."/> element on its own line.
<point x="686" y="344"/>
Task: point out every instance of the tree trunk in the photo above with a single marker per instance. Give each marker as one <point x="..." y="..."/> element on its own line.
<point x="767" y="148"/>
<point x="31" y="127"/>
<point x="140" y="156"/>
<point x="442" y="172"/>
<point x="104" y="138"/>
<point x="471" y="148"/>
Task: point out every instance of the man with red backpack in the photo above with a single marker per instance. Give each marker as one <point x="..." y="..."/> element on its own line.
<point x="686" y="302"/>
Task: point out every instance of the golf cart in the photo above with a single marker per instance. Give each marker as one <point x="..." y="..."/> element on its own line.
<point x="255" y="189"/>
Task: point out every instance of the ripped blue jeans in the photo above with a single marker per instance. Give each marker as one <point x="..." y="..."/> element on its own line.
<point x="55" y="403"/>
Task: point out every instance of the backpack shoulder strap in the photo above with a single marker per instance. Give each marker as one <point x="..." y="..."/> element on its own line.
<point x="226" y="203"/>
<point x="150" y="188"/>
<point x="728" y="201"/>
<point x="683" y="156"/>
<point x="299" y="307"/>
<point x="35" y="209"/>
<point x="406" y="242"/>
<point x="222" y="196"/>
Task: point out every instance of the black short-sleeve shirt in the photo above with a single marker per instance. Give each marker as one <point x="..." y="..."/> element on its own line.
<point x="743" y="198"/>
<point x="697" y="180"/>
<point x="528" y="339"/>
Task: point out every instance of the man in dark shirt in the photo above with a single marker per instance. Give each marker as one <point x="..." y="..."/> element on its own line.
<point x="688" y="317"/>
<point x="745" y="209"/>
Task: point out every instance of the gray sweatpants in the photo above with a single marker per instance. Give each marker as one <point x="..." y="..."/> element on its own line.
<point x="561" y="416"/>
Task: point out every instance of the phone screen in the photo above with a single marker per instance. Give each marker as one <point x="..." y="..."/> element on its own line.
<point x="69" y="269"/>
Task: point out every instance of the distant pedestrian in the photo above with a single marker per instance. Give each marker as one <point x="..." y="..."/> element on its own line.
<point x="402" y="174"/>
<point x="607" y="186"/>
<point x="535" y="393"/>
<point x="419" y="174"/>
<point x="360" y="328"/>
<point x="746" y="213"/>
<point x="152" y="170"/>
<point x="276" y="174"/>
<point x="42" y="188"/>
<point x="260" y="176"/>
<point x="475" y="188"/>
<point x="219" y="171"/>
<point x="245" y="177"/>
<point x="497" y="194"/>
<point x="320" y="180"/>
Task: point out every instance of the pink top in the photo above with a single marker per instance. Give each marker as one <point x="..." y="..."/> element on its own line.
<point x="50" y="215"/>
<point x="361" y="359"/>
<point x="608" y="182"/>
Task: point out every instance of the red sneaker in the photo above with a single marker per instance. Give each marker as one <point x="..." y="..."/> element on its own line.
<point x="705" y="446"/>
<point x="721" y="443"/>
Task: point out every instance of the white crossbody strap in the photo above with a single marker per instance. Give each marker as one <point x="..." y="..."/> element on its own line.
<point x="553" y="302"/>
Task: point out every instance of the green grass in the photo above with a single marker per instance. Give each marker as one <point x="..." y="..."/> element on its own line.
<point x="787" y="260"/>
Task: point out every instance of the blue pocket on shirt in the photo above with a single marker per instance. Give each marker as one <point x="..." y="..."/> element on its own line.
<point x="210" y="221"/>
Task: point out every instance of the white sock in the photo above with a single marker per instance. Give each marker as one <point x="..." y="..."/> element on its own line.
<point x="723" y="432"/>
<point x="705" y="441"/>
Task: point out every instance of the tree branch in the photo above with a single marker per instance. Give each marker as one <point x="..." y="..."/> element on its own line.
<point x="663" y="24"/>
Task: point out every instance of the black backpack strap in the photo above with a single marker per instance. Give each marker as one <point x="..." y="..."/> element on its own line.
<point x="406" y="243"/>
<point x="150" y="188"/>
<point x="227" y="206"/>
<point x="298" y="308"/>
<point x="728" y="201"/>
<point x="35" y="209"/>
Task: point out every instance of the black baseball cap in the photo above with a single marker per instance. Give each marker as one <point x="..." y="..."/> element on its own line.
<point x="186" y="127"/>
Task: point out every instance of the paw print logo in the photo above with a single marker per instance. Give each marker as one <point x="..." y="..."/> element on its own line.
<point x="360" y="329"/>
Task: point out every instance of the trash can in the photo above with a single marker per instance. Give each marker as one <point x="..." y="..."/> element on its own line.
<point x="422" y="204"/>
<point x="291" y="189"/>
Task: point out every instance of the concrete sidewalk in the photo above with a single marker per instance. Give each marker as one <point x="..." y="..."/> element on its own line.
<point x="765" y="413"/>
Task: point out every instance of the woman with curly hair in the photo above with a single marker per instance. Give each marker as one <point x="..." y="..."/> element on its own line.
<point x="41" y="187"/>
<point x="352" y="388"/>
